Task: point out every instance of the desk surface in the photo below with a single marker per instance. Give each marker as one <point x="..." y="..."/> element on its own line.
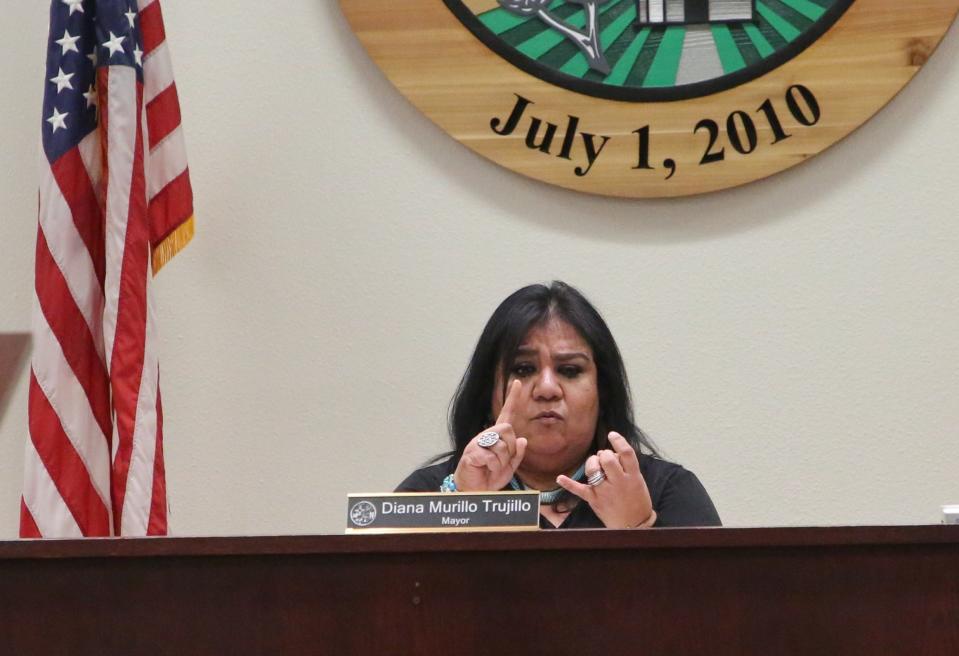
<point x="845" y="590"/>
<point x="584" y="539"/>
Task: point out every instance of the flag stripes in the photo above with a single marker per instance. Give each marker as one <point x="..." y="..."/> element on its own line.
<point x="163" y="115"/>
<point x="116" y="95"/>
<point x="157" y="71"/>
<point x="72" y="407"/>
<point x="69" y="252"/>
<point x="171" y="209"/>
<point x="73" y="182"/>
<point x="45" y="508"/>
<point x="66" y="468"/>
<point x="128" y="272"/>
<point x="144" y="439"/>
<point x="166" y="162"/>
<point x="58" y="313"/>
<point x="158" y="510"/>
<point x="115" y="205"/>
<point x="151" y="26"/>
<point x="28" y="527"/>
<point x="174" y="200"/>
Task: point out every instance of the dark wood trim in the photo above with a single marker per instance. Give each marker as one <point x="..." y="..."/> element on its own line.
<point x="854" y="591"/>
<point x="710" y="538"/>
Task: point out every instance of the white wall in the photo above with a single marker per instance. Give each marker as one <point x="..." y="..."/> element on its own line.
<point x="794" y="342"/>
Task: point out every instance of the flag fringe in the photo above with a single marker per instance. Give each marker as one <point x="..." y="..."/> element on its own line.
<point x="172" y="244"/>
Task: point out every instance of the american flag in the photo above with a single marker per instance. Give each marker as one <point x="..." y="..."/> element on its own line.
<point x="115" y="205"/>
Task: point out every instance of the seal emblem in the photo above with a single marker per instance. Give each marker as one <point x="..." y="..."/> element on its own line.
<point x="649" y="98"/>
<point x="363" y="513"/>
<point x="648" y="50"/>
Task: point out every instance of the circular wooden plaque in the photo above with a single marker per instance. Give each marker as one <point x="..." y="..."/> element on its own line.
<point x="649" y="98"/>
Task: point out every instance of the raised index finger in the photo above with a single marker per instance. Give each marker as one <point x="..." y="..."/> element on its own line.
<point x="509" y="405"/>
<point x="627" y="456"/>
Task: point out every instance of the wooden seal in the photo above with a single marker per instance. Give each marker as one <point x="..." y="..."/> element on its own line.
<point x="649" y="98"/>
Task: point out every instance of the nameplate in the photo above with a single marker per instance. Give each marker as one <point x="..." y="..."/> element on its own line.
<point x="412" y="512"/>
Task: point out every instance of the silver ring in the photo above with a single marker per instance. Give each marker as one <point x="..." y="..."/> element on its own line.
<point x="488" y="439"/>
<point x="596" y="478"/>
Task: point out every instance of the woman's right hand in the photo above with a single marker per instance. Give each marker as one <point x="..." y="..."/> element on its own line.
<point x="481" y="469"/>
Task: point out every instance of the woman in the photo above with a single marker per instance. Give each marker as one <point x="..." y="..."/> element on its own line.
<point x="545" y="405"/>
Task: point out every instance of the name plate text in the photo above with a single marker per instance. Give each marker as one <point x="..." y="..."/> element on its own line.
<point x="408" y="512"/>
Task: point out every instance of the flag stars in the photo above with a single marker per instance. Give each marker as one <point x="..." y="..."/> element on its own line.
<point x="68" y="43"/>
<point x="138" y="56"/>
<point x="93" y="57"/>
<point x="58" y="120"/>
<point x="91" y="96"/>
<point x="131" y="16"/>
<point x="113" y="44"/>
<point x="74" y="5"/>
<point x="62" y="80"/>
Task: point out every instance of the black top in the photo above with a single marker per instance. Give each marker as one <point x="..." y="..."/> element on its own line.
<point x="678" y="497"/>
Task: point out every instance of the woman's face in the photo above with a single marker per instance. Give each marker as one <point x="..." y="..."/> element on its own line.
<point x="559" y="402"/>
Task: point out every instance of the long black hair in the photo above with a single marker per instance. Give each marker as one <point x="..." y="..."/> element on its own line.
<point x="523" y="310"/>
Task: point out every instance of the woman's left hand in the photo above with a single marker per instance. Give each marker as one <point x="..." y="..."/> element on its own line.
<point x="622" y="499"/>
